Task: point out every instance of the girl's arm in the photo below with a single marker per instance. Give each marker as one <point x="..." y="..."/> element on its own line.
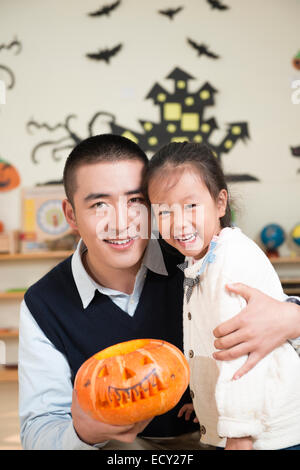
<point x="264" y="324"/>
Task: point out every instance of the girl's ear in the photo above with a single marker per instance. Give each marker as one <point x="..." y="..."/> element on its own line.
<point x="222" y="202"/>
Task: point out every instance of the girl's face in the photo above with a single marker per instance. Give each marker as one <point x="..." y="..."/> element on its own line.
<point x="187" y="215"/>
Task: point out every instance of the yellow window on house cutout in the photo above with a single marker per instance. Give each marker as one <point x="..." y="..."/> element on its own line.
<point x="171" y="128"/>
<point x="172" y="112"/>
<point x="148" y="126"/>
<point x="152" y="140"/>
<point x="130" y="136"/>
<point x="204" y="94"/>
<point x="179" y="139"/>
<point x="181" y="84"/>
<point x="161" y="97"/>
<point x="190" y="122"/>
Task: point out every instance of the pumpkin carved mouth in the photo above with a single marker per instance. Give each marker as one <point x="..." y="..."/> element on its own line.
<point x="149" y="386"/>
<point x="132" y="381"/>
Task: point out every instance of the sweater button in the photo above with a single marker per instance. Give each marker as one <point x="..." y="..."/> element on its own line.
<point x="189" y="316"/>
<point x="202" y="430"/>
<point x="191" y="353"/>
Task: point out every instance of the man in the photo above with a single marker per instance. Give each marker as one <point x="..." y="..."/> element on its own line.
<point x="117" y="286"/>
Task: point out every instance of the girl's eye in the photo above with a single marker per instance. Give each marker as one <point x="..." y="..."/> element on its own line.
<point x="164" y="213"/>
<point x="190" y="206"/>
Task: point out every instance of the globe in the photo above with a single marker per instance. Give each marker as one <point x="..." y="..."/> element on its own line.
<point x="296" y="234"/>
<point x="272" y="236"/>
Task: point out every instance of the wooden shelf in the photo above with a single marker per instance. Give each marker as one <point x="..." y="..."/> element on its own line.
<point x="8" y="375"/>
<point x="285" y="260"/>
<point x="9" y="333"/>
<point x="37" y="255"/>
<point x="12" y="295"/>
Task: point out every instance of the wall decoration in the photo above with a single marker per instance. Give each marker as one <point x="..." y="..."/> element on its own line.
<point x="106" y="9"/>
<point x="170" y="12"/>
<point x="296" y="153"/>
<point x="296" y="61"/>
<point x="9" y="176"/>
<point x="202" y="49"/>
<point x="60" y="144"/>
<point x="217" y="4"/>
<point x="182" y="118"/>
<point x="105" y="54"/>
<point x="43" y="219"/>
<point x="5" y="71"/>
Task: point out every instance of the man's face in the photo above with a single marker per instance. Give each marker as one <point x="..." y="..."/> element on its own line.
<point x="110" y="212"/>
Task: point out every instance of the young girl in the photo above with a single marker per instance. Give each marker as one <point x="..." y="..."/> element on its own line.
<point x="261" y="410"/>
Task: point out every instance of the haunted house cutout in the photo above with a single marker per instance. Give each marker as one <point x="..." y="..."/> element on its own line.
<point x="182" y="118"/>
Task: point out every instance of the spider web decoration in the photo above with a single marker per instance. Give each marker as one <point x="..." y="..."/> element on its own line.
<point x="182" y="118"/>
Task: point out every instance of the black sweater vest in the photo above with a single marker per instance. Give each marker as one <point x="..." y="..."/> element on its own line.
<point x="78" y="333"/>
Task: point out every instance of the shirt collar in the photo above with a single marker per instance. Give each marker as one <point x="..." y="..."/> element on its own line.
<point x="86" y="286"/>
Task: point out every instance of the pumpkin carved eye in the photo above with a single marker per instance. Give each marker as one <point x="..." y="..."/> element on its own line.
<point x="132" y="381"/>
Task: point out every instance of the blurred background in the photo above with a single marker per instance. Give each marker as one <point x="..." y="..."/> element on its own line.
<point x="222" y="72"/>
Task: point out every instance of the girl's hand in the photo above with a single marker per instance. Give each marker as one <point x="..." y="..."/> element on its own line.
<point x="187" y="409"/>
<point x="239" y="443"/>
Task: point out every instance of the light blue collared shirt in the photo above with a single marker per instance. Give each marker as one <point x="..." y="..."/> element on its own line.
<point x="45" y="387"/>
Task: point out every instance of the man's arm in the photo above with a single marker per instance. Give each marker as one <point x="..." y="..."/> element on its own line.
<point x="50" y="419"/>
<point x="263" y="325"/>
<point x="45" y="391"/>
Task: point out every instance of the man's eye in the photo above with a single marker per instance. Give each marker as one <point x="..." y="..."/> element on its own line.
<point x="136" y="200"/>
<point x="99" y="205"/>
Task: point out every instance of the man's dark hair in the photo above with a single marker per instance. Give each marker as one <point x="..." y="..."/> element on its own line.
<point x="97" y="149"/>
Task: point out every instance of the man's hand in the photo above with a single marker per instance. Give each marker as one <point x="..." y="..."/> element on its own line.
<point x="240" y="443"/>
<point x="93" y="432"/>
<point x="263" y="325"/>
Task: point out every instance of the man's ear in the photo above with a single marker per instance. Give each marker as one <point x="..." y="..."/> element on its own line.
<point x="69" y="214"/>
<point x="222" y="202"/>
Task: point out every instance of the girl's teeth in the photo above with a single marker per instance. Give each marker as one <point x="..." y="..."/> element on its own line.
<point x="190" y="237"/>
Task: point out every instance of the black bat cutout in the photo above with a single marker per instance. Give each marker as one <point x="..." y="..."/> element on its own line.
<point x="217" y="4"/>
<point x="11" y="76"/>
<point x="202" y="49"/>
<point x="106" y="9"/>
<point x="295" y="151"/>
<point x="105" y="54"/>
<point x="170" y="12"/>
<point x="14" y="43"/>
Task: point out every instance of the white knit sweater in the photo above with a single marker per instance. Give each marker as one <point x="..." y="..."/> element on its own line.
<point x="264" y="403"/>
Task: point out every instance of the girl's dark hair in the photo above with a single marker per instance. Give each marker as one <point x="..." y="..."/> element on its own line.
<point x="202" y="158"/>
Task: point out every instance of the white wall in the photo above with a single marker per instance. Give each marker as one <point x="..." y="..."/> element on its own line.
<point x="256" y="40"/>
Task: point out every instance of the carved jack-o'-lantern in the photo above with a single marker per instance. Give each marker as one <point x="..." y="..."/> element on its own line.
<point x="132" y="381"/>
<point x="9" y="176"/>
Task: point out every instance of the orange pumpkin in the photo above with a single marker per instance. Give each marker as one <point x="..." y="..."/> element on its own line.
<point x="132" y="381"/>
<point x="9" y="176"/>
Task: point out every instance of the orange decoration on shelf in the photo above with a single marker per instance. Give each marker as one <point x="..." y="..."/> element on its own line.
<point x="132" y="381"/>
<point x="9" y="176"/>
